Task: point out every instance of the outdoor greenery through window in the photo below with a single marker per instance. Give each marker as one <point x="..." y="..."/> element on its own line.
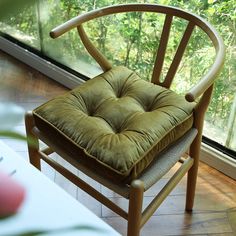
<point x="131" y="39"/>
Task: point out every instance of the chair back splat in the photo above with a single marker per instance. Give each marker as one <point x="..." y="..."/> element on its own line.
<point x="121" y="129"/>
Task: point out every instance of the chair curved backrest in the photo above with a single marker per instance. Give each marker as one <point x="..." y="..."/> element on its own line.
<point x="169" y="12"/>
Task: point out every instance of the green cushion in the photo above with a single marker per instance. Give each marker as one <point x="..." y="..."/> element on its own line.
<point x="116" y="123"/>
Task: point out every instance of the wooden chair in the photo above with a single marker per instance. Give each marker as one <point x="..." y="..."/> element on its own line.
<point x="132" y="184"/>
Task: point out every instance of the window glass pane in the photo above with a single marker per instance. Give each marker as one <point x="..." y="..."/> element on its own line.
<point x="220" y="120"/>
<point x="23" y="25"/>
<point x="66" y="49"/>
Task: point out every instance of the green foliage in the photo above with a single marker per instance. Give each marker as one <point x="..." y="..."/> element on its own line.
<point x="10" y="7"/>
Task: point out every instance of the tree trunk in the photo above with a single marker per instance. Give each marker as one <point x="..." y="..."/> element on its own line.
<point x="139" y="46"/>
<point x="129" y="46"/>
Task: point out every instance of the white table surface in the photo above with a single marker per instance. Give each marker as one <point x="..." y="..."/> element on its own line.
<point x="47" y="207"/>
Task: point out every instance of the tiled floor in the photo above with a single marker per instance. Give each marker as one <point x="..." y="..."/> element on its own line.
<point x="215" y="205"/>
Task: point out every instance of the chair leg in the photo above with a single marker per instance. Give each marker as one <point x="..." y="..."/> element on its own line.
<point x="195" y="147"/>
<point x="32" y="140"/>
<point x="194" y="152"/>
<point x="135" y="207"/>
<point x="192" y="173"/>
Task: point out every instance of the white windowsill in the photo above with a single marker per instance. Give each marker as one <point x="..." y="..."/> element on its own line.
<point x="218" y="160"/>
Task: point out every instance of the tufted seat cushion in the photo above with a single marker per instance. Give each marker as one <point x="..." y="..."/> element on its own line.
<point x="116" y="123"/>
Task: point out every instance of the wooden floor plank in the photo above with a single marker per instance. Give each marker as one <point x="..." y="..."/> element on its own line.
<point x="183" y="224"/>
<point x="175" y="204"/>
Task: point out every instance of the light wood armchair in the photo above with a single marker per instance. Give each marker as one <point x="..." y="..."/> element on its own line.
<point x="189" y="142"/>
